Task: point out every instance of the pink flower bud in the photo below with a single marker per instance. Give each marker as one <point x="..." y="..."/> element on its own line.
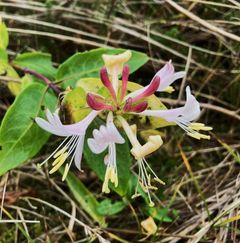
<point x="151" y="89"/>
<point x="107" y="83"/>
<point x="140" y="107"/>
<point x="125" y="75"/>
<point x="97" y="105"/>
<point x="128" y="105"/>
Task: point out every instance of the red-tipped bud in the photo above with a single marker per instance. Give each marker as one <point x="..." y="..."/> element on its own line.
<point x="128" y="105"/>
<point x="95" y="104"/>
<point x="151" y="89"/>
<point x="107" y="83"/>
<point x="125" y="74"/>
<point x="140" y="107"/>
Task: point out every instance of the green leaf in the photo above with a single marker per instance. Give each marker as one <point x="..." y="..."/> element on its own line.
<point x="38" y="62"/>
<point x="20" y="137"/>
<point x="8" y="71"/>
<point x="107" y="207"/>
<point x="26" y="80"/>
<point x="3" y="55"/>
<point x="96" y="161"/>
<point x="160" y="214"/>
<point x="3" y="36"/>
<point x="85" y="198"/>
<point x="88" y="64"/>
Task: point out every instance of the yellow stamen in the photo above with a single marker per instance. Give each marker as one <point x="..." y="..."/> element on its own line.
<point x="194" y="135"/>
<point x="105" y="187"/>
<point x="199" y="126"/>
<point x="205" y="136"/>
<point x="198" y="135"/>
<point x="67" y="167"/>
<point x="56" y="161"/>
<point x="169" y="89"/>
<point x="61" y="151"/>
<point x="60" y="160"/>
<point x="114" y="178"/>
<point x="159" y="181"/>
<point x="152" y="188"/>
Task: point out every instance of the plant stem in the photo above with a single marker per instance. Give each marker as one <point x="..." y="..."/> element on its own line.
<point x="48" y="82"/>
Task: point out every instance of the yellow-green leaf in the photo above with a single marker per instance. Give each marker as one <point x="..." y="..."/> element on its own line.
<point x="7" y="71"/>
<point x="74" y="107"/>
<point x="3" y="36"/>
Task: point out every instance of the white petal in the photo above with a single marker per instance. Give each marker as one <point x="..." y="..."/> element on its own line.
<point x="103" y="131"/>
<point x="79" y="151"/>
<point x="50" y="116"/>
<point x="80" y="128"/>
<point x="50" y="128"/>
<point x="57" y="120"/>
<point x="96" y="147"/>
<point x="190" y="111"/>
<point x="114" y="134"/>
<point x="96" y="134"/>
<point x="178" y="75"/>
<point x="192" y="106"/>
<point x="169" y="115"/>
<point x="165" y="74"/>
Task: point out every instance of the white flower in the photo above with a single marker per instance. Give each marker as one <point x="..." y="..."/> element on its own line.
<point x="103" y="138"/>
<point x="183" y="116"/>
<point x="72" y="145"/>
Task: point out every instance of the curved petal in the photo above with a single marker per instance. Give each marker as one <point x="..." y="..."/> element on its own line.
<point x="79" y="151"/>
<point x="80" y="128"/>
<point x="95" y="146"/>
<point x="178" y="75"/>
<point x="114" y="134"/>
<point x="50" y="128"/>
<point x="57" y="120"/>
<point x="169" y="115"/>
<point x="165" y="74"/>
<point x="190" y="111"/>
<point x="50" y="117"/>
<point x="192" y="107"/>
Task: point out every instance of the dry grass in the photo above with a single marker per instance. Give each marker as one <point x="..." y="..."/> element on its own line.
<point x="203" y="180"/>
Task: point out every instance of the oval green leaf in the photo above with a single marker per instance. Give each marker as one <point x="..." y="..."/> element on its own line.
<point x="20" y="137"/>
<point x="38" y="62"/>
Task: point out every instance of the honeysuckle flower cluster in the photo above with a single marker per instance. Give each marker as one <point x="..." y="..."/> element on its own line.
<point x="120" y="104"/>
